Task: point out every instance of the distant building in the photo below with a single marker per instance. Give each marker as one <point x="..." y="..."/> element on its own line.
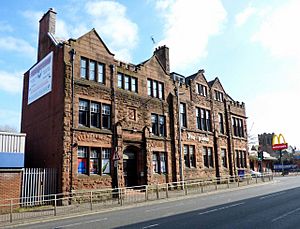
<point x="265" y="143"/>
<point x="82" y="109"/>
<point x="12" y="147"/>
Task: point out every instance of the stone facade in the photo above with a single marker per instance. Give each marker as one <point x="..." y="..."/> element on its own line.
<point x="54" y="133"/>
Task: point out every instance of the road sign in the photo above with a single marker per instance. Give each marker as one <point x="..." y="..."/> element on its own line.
<point x="278" y="142"/>
<point x="280" y="146"/>
<point x="116" y="156"/>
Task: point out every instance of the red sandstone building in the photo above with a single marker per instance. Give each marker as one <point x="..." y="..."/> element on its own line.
<point x="82" y="108"/>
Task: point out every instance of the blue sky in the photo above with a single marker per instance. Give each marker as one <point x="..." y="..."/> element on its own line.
<point x="252" y="46"/>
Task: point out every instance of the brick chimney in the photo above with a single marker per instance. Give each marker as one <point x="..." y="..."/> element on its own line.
<point x="47" y="25"/>
<point x="162" y="53"/>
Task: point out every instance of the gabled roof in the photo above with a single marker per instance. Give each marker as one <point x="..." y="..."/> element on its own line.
<point x="215" y="81"/>
<point x="95" y="32"/>
<point x="196" y="75"/>
<point x="154" y="56"/>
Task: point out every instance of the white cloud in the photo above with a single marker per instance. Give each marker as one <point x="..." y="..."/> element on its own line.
<point x="110" y="20"/>
<point x="5" y="27"/>
<point x="188" y="28"/>
<point x="242" y="17"/>
<point x="279" y="31"/>
<point x="16" y="45"/>
<point x="11" y="82"/>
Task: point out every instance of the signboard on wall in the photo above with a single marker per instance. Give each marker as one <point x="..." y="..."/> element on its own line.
<point x="40" y="79"/>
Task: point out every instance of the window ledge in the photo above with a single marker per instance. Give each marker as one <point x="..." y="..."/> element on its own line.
<point x="240" y="138"/>
<point x="94" y="130"/>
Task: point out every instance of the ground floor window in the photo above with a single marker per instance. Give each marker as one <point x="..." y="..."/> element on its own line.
<point x="208" y="157"/>
<point x="93" y="160"/>
<point x="159" y="162"/>
<point x="241" y="161"/>
<point x="189" y="156"/>
<point x="224" y="158"/>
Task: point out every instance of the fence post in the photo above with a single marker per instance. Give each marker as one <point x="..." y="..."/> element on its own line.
<point x="121" y="202"/>
<point x="91" y="200"/>
<point x="228" y="182"/>
<point x="167" y="190"/>
<point x="256" y="179"/>
<point x="238" y="180"/>
<point x="146" y="192"/>
<point x="202" y="186"/>
<point x="11" y="211"/>
<point x="185" y="189"/>
<point x="157" y="192"/>
<point x="55" y="204"/>
<point x="216" y="184"/>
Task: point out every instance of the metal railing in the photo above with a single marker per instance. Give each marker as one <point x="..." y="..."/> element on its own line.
<point x="13" y="210"/>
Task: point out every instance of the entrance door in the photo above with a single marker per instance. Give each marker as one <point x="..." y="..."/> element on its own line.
<point x="129" y="168"/>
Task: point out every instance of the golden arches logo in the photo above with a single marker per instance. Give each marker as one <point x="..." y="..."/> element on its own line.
<point x="278" y="142"/>
<point x="276" y="139"/>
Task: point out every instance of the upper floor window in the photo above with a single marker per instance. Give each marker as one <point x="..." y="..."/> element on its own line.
<point x="238" y="127"/>
<point x="83" y="68"/>
<point x="155" y="89"/>
<point x="189" y="156"/>
<point x="91" y="70"/>
<point x="203" y="119"/>
<point x="158" y="125"/>
<point x="219" y="96"/>
<point x="93" y="160"/>
<point x="208" y="157"/>
<point x="221" y="123"/>
<point x="182" y="110"/>
<point x="159" y="162"/>
<point x="201" y="89"/>
<point x="127" y="82"/>
<point x="90" y="115"/>
<point x="101" y="71"/>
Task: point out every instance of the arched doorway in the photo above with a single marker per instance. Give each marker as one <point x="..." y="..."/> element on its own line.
<point x="130" y="167"/>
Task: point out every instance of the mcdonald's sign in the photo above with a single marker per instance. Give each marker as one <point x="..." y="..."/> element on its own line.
<point x="278" y="142"/>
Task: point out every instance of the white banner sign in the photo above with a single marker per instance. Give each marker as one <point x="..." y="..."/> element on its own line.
<point x="40" y="79"/>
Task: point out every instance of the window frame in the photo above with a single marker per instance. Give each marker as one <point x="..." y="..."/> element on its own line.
<point x="201" y="89"/>
<point x="122" y="82"/>
<point x="208" y="160"/>
<point x="183" y="115"/>
<point x="189" y="156"/>
<point x="238" y="127"/>
<point x="219" y="96"/>
<point x="157" y="128"/>
<point x="224" y="157"/>
<point x="203" y="119"/>
<point x="89" y="170"/>
<point x="101" y="123"/>
<point x="221" y="123"/>
<point x="161" y="162"/>
<point x="89" y="70"/>
<point x="155" y="89"/>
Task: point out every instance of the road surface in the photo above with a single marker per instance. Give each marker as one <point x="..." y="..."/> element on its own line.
<point x="269" y="205"/>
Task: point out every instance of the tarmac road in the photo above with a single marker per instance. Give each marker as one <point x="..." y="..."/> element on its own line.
<point x="269" y="205"/>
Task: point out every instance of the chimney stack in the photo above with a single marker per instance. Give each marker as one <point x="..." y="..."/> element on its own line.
<point x="47" y="25"/>
<point x="162" y="53"/>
